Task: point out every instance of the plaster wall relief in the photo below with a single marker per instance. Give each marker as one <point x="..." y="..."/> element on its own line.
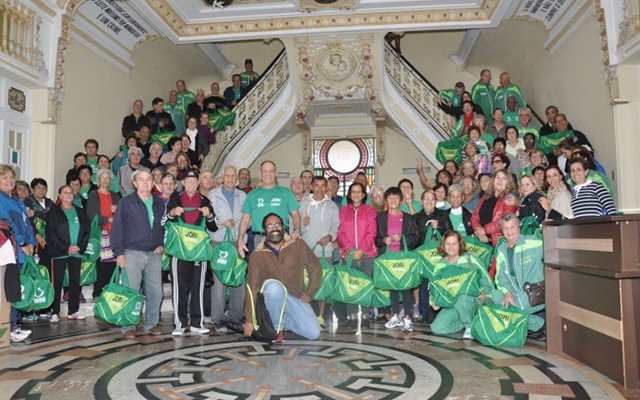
<point x="609" y="72"/>
<point x="630" y="24"/>
<point x="336" y="68"/>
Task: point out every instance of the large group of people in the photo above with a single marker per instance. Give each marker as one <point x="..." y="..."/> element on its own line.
<point x="509" y="173"/>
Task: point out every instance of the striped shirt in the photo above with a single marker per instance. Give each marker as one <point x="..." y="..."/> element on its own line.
<point x="591" y="200"/>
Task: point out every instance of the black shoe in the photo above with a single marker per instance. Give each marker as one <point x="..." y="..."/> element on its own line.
<point x="236" y="326"/>
<point x="540" y="335"/>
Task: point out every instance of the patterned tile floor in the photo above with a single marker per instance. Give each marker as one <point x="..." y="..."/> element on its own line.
<point x="91" y="360"/>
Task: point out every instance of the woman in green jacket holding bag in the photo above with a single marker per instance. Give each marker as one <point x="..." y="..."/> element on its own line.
<point x="452" y="319"/>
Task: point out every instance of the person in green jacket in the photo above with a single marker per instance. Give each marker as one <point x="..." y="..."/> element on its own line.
<point x="519" y="261"/>
<point x="178" y="113"/>
<point x="453" y="97"/>
<point x="483" y="93"/>
<point x="453" y="319"/>
<point x="505" y="90"/>
<point x="185" y="97"/>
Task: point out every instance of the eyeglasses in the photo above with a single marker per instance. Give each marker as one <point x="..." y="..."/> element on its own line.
<point x="497" y="162"/>
<point x="377" y="192"/>
<point x="276" y="225"/>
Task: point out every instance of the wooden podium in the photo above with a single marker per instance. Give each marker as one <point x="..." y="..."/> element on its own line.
<point x="592" y="273"/>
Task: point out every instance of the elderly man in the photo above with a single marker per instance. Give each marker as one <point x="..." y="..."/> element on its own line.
<point x="297" y="187"/>
<point x="518" y="263"/>
<point x="269" y="198"/>
<point x="160" y="119"/>
<point x="185" y="97"/>
<point x="244" y="180"/>
<point x="144" y="141"/>
<point x="524" y="117"/>
<point x="191" y="208"/>
<point x="320" y="220"/>
<point x="137" y="238"/>
<point x="125" y="173"/>
<point x="207" y="183"/>
<point x="197" y="107"/>
<point x="453" y="97"/>
<point x="276" y="269"/>
<point x="227" y="203"/>
<point x="505" y="90"/>
<point x="132" y="123"/>
<point x="177" y="112"/>
<point x="483" y="93"/>
<point x="234" y="93"/>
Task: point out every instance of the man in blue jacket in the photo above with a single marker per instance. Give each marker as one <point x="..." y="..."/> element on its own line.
<point x="137" y="237"/>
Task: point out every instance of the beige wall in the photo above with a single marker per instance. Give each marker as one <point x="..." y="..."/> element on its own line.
<point x="571" y="78"/>
<point x="98" y="95"/>
<point x="402" y="155"/>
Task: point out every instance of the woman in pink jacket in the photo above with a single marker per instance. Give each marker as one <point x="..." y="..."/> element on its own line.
<point x="357" y="233"/>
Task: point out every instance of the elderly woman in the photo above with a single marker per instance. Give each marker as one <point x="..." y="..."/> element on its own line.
<point x="377" y="198"/>
<point x="357" y="232"/>
<point x="122" y="157"/>
<point x="393" y="224"/>
<point x="102" y="203"/>
<point x="474" y="136"/>
<point x="530" y="195"/>
<point x="557" y="204"/>
<point x="497" y="128"/>
<point x="457" y="218"/>
<point x="499" y="199"/>
<point x="175" y="147"/>
<point x="104" y="163"/>
<point x="481" y="162"/>
<point x="14" y="213"/>
<point x="514" y="143"/>
<point x="588" y="198"/>
<point x="453" y="250"/>
<point x="68" y="236"/>
<point x="470" y="197"/>
<point x="155" y="154"/>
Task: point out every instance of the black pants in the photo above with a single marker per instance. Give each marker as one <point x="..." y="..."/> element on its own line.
<point x="45" y="260"/>
<point x="104" y="272"/>
<point x="188" y="287"/>
<point x="407" y="299"/>
<point x="59" y="266"/>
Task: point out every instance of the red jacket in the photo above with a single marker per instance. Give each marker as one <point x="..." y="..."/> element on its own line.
<point x="358" y="229"/>
<point x="492" y="229"/>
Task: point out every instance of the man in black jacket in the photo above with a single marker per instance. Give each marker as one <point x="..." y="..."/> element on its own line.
<point x="137" y="237"/>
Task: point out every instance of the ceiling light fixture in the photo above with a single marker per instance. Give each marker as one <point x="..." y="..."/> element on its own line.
<point x="218" y="3"/>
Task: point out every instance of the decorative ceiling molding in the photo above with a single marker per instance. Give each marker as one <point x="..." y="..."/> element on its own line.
<point x="214" y="53"/>
<point x="484" y="13"/>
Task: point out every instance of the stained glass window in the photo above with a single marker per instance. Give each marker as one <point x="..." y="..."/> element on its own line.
<point x="345" y="158"/>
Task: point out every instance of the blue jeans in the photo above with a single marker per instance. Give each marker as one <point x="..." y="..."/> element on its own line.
<point x="146" y="264"/>
<point x="298" y="316"/>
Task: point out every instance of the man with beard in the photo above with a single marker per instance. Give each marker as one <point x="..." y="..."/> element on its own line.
<point x="276" y="268"/>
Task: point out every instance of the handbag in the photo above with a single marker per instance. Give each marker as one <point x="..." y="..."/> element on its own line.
<point x="530" y="226"/>
<point x="88" y="274"/>
<point x="263" y="330"/>
<point x="27" y="292"/>
<point x="92" y="252"/>
<point x="352" y="285"/>
<point x="106" y="251"/>
<point x="42" y="287"/>
<point x="326" y="282"/>
<point x="397" y="270"/>
<point x="188" y="242"/>
<point x="536" y="293"/>
<point x="429" y="252"/>
<point x="227" y="264"/>
<point x="451" y="282"/>
<point x="119" y="304"/>
<point x="483" y="251"/>
<point x="494" y="325"/>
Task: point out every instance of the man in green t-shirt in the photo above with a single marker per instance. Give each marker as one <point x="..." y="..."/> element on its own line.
<point x="185" y="97"/>
<point x="249" y="77"/>
<point x="269" y="198"/>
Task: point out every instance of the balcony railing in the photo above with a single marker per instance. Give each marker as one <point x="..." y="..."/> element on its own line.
<point x="417" y="90"/>
<point x="248" y="111"/>
<point x="20" y="33"/>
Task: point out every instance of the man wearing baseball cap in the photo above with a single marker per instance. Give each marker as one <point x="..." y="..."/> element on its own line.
<point x="188" y="276"/>
<point x="249" y="77"/>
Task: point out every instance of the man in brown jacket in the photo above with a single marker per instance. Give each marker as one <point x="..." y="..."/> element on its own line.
<point x="277" y="266"/>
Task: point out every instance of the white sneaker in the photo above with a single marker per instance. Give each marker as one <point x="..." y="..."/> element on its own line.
<point x="201" y="330"/>
<point x="207" y="320"/>
<point x="467" y="334"/>
<point x="18" y="335"/>
<point x="178" y="332"/>
<point x="54" y="319"/>
<point x="394" y="322"/>
<point x="76" y="316"/>
<point x="408" y="325"/>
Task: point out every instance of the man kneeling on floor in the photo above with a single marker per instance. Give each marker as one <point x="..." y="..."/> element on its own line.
<point x="278" y="262"/>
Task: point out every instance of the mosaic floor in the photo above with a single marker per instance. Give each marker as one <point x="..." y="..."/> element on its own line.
<point x="91" y="360"/>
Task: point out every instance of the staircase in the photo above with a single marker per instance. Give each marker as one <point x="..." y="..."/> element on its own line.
<point x="260" y="115"/>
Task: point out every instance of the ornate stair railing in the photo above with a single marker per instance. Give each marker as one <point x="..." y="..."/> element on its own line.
<point x="248" y="111"/>
<point x="417" y="90"/>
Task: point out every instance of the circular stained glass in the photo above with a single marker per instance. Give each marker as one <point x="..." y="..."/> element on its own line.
<point x="344" y="156"/>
